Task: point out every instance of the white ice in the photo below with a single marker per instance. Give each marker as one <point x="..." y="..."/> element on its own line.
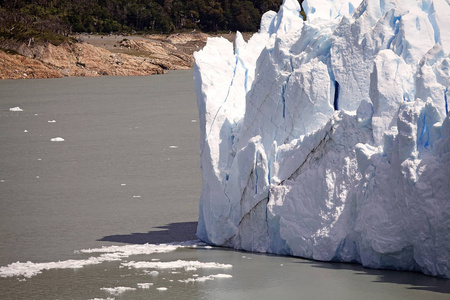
<point x="330" y="138"/>
<point x="145" y="285"/>
<point x="205" y="278"/>
<point x="178" y="264"/>
<point x="105" y="254"/>
<point x="57" y="139"/>
<point x="116" y="291"/>
<point x="15" y="109"/>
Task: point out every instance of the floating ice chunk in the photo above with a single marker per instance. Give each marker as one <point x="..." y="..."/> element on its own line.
<point x="161" y="288"/>
<point x="57" y="139"/>
<point x="136" y="196"/>
<point x="15" y="109"/>
<point x="116" y="291"/>
<point x="145" y="285"/>
<point x="128" y="250"/>
<point x="173" y="147"/>
<point x="51" y="121"/>
<point x="205" y="278"/>
<point x="107" y="254"/>
<point x="25" y="130"/>
<point x="222" y="276"/>
<point x="30" y="269"/>
<point x="176" y="265"/>
<point x="194" y="121"/>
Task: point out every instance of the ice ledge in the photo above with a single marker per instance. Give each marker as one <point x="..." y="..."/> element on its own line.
<point x="326" y="139"/>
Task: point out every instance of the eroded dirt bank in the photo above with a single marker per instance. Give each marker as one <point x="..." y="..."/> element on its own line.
<point x="91" y="55"/>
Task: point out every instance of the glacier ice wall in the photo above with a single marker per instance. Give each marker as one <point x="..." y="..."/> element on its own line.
<point x="330" y="138"/>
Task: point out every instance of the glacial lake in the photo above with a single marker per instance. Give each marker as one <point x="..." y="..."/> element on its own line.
<point x="125" y="172"/>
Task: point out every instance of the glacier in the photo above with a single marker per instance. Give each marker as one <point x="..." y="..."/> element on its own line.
<point x="329" y="138"/>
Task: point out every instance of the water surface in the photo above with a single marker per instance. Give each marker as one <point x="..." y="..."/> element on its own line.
<point x="128" y="173"/>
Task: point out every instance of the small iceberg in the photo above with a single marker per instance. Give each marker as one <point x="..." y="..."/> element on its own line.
<point x="15" y="109"/>
<point x="57" y="139"/>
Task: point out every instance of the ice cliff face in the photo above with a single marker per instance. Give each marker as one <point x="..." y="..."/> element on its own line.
<point x="330" y="139"/>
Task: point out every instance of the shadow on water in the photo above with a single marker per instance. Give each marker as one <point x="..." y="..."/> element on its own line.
<point x="173" y="232"/>
<point x="185" y="231"/>
<point x="416" y="281"/>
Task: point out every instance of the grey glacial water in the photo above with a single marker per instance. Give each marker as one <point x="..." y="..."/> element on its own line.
<point x="128" y="173"/>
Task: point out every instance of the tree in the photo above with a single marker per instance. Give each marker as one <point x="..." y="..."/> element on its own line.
<point x="246" y="17"/>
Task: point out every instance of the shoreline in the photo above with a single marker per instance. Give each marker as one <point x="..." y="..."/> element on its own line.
<point x="102" y="55"/>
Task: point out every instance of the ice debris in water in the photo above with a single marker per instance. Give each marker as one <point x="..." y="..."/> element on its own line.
<point x="205" y="278"/>
<point x="57" y="139"/>
<point x="153" y="273"/>
<point x="116" y="291"/>
<point x="185" y="264"/>
<point x="15" y="109"/>
<point x="106" y="254"/>
<point x="145" y="285"/>
<point x="330" y="138"/>
<point x="161" y="288"/>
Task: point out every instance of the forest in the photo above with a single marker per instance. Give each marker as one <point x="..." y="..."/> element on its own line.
<point x="23" y="19"/>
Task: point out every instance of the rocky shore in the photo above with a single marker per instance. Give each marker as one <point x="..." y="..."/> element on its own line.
<point x="93" y="55"/>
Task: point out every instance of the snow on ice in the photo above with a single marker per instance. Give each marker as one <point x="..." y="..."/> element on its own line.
<point x="330" y="138"/>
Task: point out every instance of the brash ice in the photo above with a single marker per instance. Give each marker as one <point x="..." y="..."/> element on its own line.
<point x="330" y="138"/>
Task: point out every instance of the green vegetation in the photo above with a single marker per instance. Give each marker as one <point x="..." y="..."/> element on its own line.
<point x="52" y="20"/>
